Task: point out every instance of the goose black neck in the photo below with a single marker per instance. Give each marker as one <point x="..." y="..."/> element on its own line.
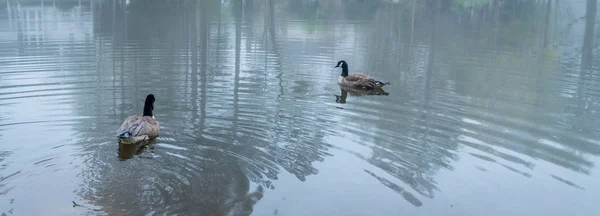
<point x="149" y="105"/>
<point x="344" y="70"/>
<point x="148" y="109"/>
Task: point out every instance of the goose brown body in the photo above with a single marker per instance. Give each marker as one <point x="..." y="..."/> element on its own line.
<point x="138" y="128"/>
<point x="358" y="81"/>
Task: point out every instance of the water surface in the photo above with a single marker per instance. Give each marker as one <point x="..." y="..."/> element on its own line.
<point x="492" y="108"/>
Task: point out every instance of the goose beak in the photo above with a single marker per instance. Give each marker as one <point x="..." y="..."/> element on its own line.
<point x="336" y="66"/>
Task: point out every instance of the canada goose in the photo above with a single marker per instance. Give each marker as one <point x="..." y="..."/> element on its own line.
<point x="138" y="128"/>
<point x="357" y="80"/>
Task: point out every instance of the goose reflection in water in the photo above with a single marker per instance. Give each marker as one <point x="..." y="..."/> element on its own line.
<point x="357" y="93"/>
<point x="127" y="151"/>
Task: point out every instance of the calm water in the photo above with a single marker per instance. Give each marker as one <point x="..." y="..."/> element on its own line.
<point x="493" y="107"/>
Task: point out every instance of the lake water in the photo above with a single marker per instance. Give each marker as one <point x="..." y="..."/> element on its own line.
<point x="493" y="107"/>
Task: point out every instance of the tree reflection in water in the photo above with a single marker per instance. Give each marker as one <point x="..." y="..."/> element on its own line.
<point x="236" y="117"/>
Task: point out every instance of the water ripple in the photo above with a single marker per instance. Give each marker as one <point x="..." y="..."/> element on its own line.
<point x="248" y="104"/>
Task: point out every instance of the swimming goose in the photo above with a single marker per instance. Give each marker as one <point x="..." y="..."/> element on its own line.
<point x="138" y="128"/>
<point x="357" y="80"/>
